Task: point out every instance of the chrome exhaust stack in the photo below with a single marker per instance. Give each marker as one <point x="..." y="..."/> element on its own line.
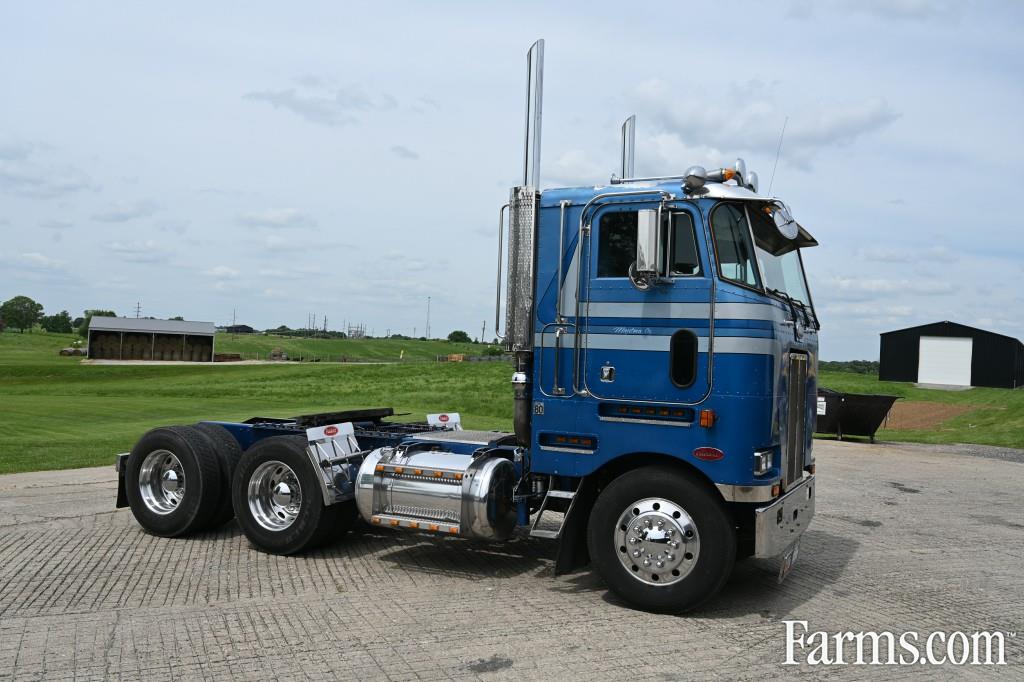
<point x="628" y="155"/>
<point x="523" y="210"/>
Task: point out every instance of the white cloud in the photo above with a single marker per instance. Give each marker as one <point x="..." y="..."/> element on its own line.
<point x="124" y="211"/>
<point x="23" y="174"/>
<point x="223" y="272"/>
<point x="748" y="117"/>
<point x="277" y="218"/>
<point x="403" y="152"/>
<point x="573" y="168"/>
<point x="319" y="103"/>
<point x="56" y="224"/>
<point x="291" y="273"/>
<point x="868" y="310"/>
<point x="147" y="251"/>
<point x="870" y="287"/>
<point x="39" y="261"/>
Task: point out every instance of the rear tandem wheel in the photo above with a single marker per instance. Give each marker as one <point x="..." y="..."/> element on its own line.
<point x="278" y="501"/>
<point x="172" y="481"/>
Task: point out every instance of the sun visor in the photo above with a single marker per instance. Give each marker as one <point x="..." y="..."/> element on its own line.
<point x="771" y="239"/>
<point x="805" y="239"/>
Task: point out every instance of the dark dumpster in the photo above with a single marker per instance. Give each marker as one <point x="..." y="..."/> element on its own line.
<point x="852" y="414"/>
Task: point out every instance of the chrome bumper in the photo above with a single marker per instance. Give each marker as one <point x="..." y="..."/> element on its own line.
<point x="781" y="523"/>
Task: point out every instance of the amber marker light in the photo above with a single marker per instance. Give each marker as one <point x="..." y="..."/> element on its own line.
<point x="707" y="418"/>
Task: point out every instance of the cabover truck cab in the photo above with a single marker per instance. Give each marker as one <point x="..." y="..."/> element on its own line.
<point x="664" y="349"/>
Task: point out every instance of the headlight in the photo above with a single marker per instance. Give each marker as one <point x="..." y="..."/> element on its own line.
<point x="762" y="462"/>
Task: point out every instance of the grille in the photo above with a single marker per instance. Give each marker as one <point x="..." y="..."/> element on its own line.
<point x="796" y="415"/>
<point x="522" y="222"/>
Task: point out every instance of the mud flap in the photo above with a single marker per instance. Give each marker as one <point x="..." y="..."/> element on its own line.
<point x="572" y="543"/>
<point x="122" y="496"/>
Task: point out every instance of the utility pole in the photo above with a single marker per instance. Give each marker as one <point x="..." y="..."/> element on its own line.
<point x="138" y="309"/>
<point x="483" y="331"/>
<point x="428" y="317"/>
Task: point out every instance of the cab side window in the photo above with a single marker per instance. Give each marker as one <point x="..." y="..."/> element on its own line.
<point x="682" y="247"/>
<point x="616" y="243"/>
<point x="732" y="245"/>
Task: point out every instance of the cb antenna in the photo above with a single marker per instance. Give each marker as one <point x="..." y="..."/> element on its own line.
<point x="778" y="151"/>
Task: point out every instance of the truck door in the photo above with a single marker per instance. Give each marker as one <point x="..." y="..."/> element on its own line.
<point x="645" y="345"/>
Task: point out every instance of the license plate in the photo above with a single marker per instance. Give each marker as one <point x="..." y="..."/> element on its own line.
<point x="788" y="559"/>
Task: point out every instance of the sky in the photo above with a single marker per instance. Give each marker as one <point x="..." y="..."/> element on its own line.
<point x="267" y="161"/>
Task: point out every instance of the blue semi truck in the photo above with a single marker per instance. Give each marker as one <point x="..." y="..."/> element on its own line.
<point x="664" y="349"/>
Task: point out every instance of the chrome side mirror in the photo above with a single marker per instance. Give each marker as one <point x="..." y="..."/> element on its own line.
<point x="644" y="270"/>
<point x="647" y="234"/>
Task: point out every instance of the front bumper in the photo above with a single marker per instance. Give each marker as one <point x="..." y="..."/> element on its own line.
<point x="778" y="525"/>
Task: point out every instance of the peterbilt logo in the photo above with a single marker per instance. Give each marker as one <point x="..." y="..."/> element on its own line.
<point x="331" y="431"/>
<point x="708" y="454"/>
<point x="443" y="418"/>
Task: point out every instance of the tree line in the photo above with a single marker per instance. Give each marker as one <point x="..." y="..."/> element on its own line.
<point x="21" y="313"/>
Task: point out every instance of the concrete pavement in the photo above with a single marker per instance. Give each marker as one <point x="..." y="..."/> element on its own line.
<point x="905" y="538"/>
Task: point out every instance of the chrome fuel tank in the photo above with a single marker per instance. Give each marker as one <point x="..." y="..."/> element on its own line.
<point x="437" y="491"/>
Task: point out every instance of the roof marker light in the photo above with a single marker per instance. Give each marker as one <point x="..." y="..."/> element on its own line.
<point x="740" y="169"/>
<point x="752" y="181"/>
<point x="695" y="178"/>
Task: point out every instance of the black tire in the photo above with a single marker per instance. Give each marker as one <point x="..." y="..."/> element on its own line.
<point x="714" y="535"/>
<point x="154" y="510"/>
<point x="312" y="523"/>
<point x="228" y="453"/>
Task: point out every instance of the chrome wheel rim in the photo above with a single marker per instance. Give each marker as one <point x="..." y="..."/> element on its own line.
<point x="657" y="541"/>
<point x="162" y="482"/>
<point x="275" y="496"/>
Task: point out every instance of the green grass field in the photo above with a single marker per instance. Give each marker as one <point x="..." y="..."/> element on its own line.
<point x="996" y="416"/>
<point x="56" y="413"/>
<point x="353" y="350"/>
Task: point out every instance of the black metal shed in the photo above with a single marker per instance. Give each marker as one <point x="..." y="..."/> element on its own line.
<point x="993" y="359"/>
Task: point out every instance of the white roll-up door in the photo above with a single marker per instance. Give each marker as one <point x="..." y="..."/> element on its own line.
<point x="945" y="360"/>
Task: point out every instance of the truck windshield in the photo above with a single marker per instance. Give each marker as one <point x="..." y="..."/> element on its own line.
<point x="784" y="274"/>
<point x="778" y="257"/>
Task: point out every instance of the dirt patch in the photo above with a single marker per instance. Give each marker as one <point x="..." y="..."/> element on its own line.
<point x="916" y="415"/>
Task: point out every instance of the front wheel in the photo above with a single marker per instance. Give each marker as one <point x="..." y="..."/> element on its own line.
<point x="660" y="540"/>
<point x="277" y="498"/>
